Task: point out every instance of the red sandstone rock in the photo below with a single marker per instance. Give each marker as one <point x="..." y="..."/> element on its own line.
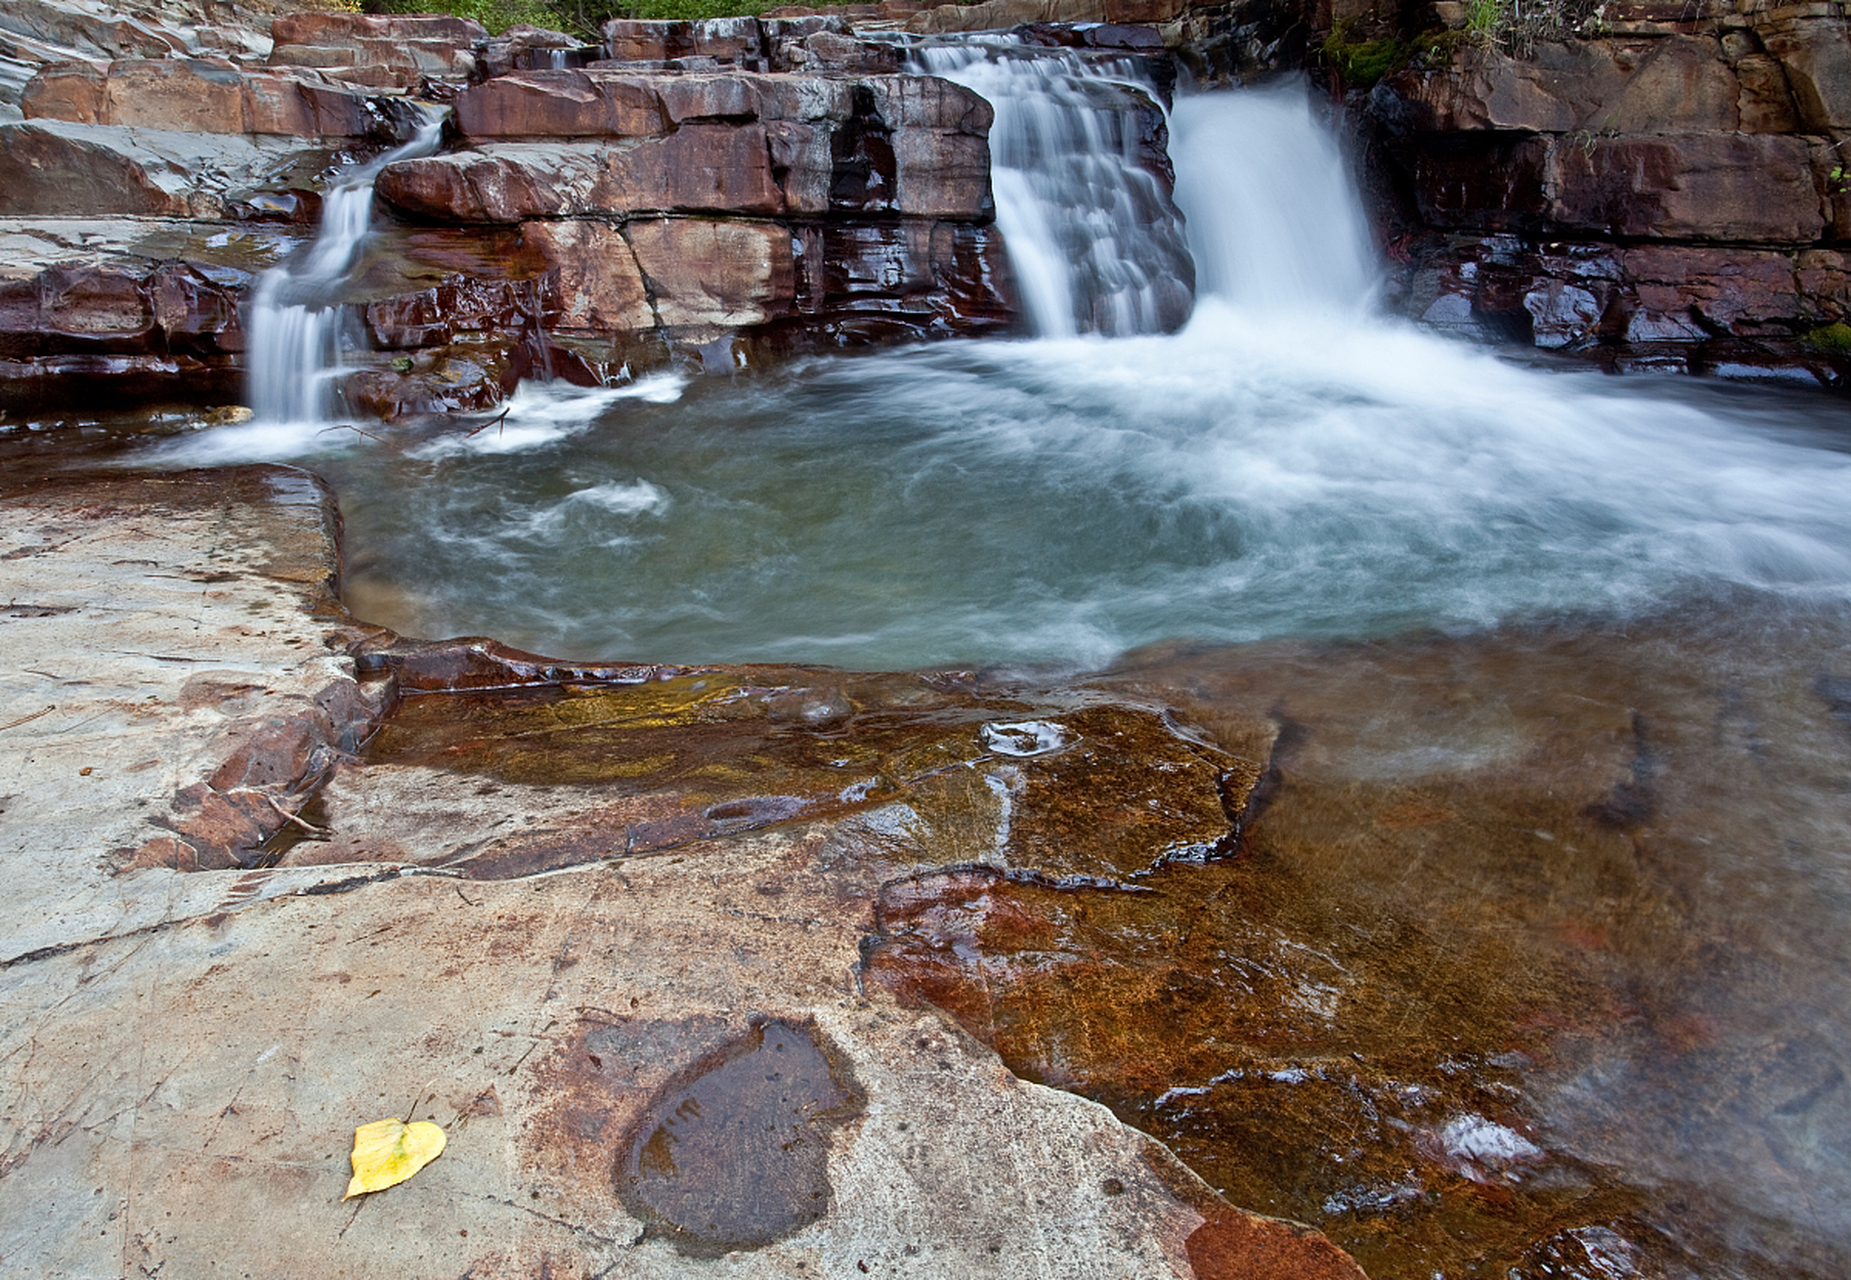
<point x="383" y="51"/>
<point x="599" y="284"/>
<point x="1755" y="187"/>
<point x="508" y="183"/>
<point x="1814" y="51"/>
<point x="559" y="104"/>
<point x="1680" y="84"/>
<point x="194" y="95"/>
<point x="715" y="274"/>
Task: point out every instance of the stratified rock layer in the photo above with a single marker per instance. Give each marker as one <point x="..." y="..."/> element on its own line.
<point x="1665" y="190"/>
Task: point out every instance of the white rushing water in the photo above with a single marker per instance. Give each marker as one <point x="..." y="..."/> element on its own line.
<point x="1094" y="244"/>
<point x="296" y="314"/>
<point x="1287" y="464"/>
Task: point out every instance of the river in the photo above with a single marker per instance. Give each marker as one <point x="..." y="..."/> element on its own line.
<point x="1558" y="661"/>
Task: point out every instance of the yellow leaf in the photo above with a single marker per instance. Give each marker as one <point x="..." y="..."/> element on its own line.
<point x="386" y="1152"/>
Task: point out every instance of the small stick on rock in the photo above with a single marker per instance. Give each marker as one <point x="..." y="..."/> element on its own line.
<point x="306" y="826"/>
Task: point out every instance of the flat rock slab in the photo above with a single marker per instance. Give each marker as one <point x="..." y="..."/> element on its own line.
<point x="173" y="649"/>
<point x="652" y="1066"/>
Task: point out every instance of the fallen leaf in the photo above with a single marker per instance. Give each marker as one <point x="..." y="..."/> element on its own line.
<point x="386" y="1152"/>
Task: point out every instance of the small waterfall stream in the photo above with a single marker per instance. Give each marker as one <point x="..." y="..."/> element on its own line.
<point x="1094" y="242"/>
<point x="296" y="314"/>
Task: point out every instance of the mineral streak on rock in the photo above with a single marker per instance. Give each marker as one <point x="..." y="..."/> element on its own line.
<point x="733" y="1153"/>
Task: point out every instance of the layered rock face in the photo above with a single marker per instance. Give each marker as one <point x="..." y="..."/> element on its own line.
<point x="738" y="214"/>
<point x="725" y="192"/>
<point x="1668" y="194"/>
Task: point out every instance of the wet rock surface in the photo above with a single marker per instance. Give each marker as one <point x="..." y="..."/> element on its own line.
<point x="1507" y="974"/>
<point x="735" y="1155"/>
<point x="647" y="1065"/>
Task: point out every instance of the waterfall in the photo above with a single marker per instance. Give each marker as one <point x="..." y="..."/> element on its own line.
<point x="1094" y="243"/>
<point x="295" y="311"/>
<point x="1274" y="221"/>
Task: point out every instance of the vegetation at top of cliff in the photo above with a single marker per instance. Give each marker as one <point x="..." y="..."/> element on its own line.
<point x="581" y="18"/>
<point x="1517" y="27"/>
<point x="1362" y="52"/>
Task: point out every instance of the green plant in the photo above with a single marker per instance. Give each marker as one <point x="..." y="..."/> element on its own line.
<point x="1485" y="17"/>
<point x="581" y="18"/>
<point x="1830" y="339"/>
<point x="1360" y="63"/>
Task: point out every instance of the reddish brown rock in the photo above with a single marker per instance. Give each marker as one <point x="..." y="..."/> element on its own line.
<point x="509" y="182"/>
<point x="1753" y="187"/>
<point x="600" y="287"/>
<point x="714" y="168"/>
<point x="715" y="274"/>
<point x="458" y="305"/>
<point x="53" y="172"/>
<point x="728" y="41"/>
<point x="1742" y="291"/>
<point x="381" y="51"/>
<point x="1814" y="52"/>
<point x="1675" y="85"/>
<point x="559" y="104"/>
<point x="65" y="91"/>
<point x="1483" y="181"/>
<point x="197" y="96"/>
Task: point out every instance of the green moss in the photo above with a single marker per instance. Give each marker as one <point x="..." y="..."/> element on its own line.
<point x="1360" y="63"/>
<point x="1830" y="339"/>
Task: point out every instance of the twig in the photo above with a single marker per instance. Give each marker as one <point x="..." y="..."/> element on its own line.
<point x="306" y="826"/>
<point x="14" y="724"/>
<point x="502" y="417"/>
<point x="348" y="426"/>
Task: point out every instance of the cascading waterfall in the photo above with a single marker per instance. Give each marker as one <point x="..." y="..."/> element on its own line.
<point x="296" y="316"/>
<point x="1094" y="242"/>
<point x="1273" y="222"/>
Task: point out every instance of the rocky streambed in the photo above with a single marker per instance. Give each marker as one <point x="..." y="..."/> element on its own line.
<point x="1518" y="951"/>
<point x="1511" y="948"/>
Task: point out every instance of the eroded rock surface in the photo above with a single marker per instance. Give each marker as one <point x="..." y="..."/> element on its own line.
<point x="659" y="1065"/>
<point x="178" y="685"/>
